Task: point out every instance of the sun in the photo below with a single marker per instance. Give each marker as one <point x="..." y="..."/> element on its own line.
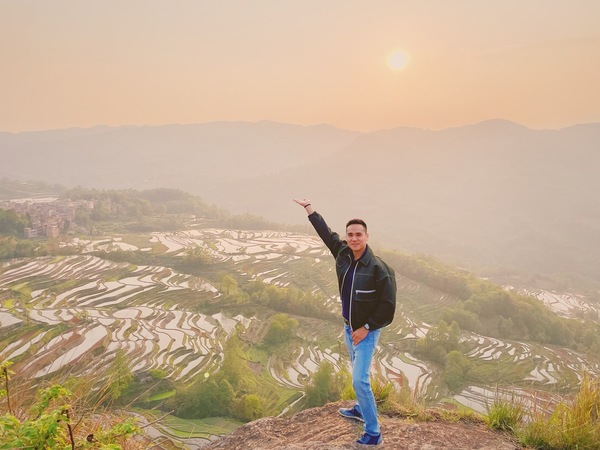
<point x="398" y="60"/>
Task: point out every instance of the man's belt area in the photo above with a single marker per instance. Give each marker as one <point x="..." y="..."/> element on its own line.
<point x="346" y="322"/>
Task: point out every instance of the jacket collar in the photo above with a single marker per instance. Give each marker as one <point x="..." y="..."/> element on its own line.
<point x="365" y="258"/>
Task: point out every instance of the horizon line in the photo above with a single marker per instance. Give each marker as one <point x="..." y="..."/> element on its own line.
<point x="322" y="124"/>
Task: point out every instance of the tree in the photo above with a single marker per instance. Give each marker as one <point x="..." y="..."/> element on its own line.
<point x="120" y="375"/>
<point x="230" y="288"/>
<point x="82" y="217"/>
<point x="12" y="222"/>
<point x="282" y="329"/>
<point x="11" y="247"/>
<point x="250" y="407"/>
<point x="198" y="256"/>
<point x="228" y="285"/>
<point x="205" y="399"/>
<point x="457" y="369"/>
<point x="439" y="340"/>
<point x="505" y="327"/>
<point x="234" y="361"/>
<point x="325" y="386"/>
<point x="466" y="319"/>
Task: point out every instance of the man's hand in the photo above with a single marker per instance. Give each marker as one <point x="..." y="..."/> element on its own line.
<point x="305" y="203"/>
<point x="359" y="335"/>
<point x="302" y="202"/>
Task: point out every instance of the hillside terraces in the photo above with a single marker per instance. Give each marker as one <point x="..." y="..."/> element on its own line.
<point x="133" y="313"/>
<point x="566" y="305"/>
<point x="150" y="312"/>
<point x="74" y="313"/>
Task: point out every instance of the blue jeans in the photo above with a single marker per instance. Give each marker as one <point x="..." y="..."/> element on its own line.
<point x="360" y="357"/>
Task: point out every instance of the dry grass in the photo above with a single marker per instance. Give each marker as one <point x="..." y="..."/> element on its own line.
<point x="574" y="424"/>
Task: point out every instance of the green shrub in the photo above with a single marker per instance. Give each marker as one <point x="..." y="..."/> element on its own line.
<point x="328" y="386"/>
<point x="50" y="425"/>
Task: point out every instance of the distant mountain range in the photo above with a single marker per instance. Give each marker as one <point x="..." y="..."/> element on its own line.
<point x="193" y="157"/>
<point x="493" y="194"/>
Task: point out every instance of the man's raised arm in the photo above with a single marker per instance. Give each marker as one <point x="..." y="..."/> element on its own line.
<point x="331" y="239"/>
<point x="305" y="203"/>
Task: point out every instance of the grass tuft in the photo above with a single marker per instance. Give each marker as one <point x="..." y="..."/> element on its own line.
<point x="505" y="414"/>
<point x="574" y="424"/>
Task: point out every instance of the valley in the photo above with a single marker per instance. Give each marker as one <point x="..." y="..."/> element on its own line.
<point x="70" y="315"/>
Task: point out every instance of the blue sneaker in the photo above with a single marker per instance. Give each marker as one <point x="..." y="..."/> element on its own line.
<point x="351" y="413"/>
<point x="369" y="439"/>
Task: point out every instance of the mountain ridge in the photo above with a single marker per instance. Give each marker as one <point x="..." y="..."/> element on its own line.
<point x="494" y="194"/>
<point x="437" y="184"/>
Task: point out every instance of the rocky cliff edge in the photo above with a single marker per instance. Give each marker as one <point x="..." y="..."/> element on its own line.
<point x="324" y="429"/>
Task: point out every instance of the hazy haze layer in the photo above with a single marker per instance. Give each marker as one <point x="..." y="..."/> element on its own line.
<point x="494" y="193"/>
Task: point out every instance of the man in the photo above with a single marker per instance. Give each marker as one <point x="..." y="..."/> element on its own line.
<point x="368" y="292"/>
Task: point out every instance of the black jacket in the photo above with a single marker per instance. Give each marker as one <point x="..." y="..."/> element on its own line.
<point x="373" y="296"/>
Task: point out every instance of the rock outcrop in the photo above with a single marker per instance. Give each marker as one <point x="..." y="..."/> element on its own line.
<point x="324" y="429"/>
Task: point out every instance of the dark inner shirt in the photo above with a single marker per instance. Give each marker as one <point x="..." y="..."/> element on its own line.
<point x="347" y="287"/>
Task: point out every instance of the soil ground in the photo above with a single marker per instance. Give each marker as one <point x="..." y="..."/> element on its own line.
<point x="324" y="429"/>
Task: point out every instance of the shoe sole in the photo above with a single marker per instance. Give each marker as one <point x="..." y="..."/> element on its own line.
<point x="358" y="419"/>
<point x="379" y="443"/>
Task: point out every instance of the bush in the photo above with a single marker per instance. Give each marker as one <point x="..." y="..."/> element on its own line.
<point x="249" y="407"/>
<point x="327" y="386"/>
<point x="457" y="368"/>
<point x="50" y="423"/>
<point x="206" y="399"/>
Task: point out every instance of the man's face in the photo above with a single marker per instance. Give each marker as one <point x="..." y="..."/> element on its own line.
<point x="357" y="237"/>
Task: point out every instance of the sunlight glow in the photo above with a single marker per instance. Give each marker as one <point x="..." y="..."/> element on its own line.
<point x="398" y="60"/>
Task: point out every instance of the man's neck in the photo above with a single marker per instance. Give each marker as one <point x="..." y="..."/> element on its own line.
<point x="358" y="255"/>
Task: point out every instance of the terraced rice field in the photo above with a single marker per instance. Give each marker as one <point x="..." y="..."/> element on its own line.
<point x="147" y="311"/>
<point x="566" y="305"/>
<point x="75" y="312"/>
<point x="131" y="313"/>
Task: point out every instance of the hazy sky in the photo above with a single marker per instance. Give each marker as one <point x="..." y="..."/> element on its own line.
<point x="145" y="62"/>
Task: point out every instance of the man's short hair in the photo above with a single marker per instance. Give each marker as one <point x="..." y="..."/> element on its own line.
<point x="357" y="222"/>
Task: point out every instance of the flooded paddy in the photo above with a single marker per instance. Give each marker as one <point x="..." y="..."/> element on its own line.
<point x="565" y="304"/>
<point x="127" y="313"/>
<point x="148" y="312"/>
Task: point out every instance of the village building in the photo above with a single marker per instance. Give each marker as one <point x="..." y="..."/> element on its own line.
<point x="48" y="217"/>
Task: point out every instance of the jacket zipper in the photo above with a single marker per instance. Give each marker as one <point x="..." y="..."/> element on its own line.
<point x="351" y="291"/>
<point x="343" y="280"/>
